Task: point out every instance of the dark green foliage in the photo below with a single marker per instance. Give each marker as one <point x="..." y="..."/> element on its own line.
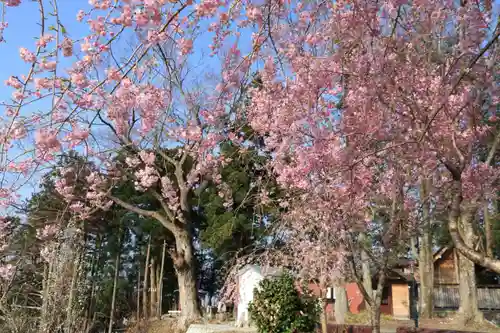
<point x="279" y="308"/>
<point x="227" y="233"/>
<point x="229" y="230"/>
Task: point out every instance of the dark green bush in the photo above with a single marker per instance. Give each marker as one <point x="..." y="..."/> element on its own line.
<point x="278" y="307"/>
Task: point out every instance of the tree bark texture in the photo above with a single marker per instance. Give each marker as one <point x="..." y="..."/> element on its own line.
<point x="113" y="299"/>
<point x="160" y="281"/>
<point x="184" y="264"/>
<point x="153" y="288"/>
<point x="69" y="307"/>
<point x="488" y="229"/>
<point x="467" y="285"/>
<point x="426" y="260"/>
<point x="453" y="227"/>
<point x="377" y="301"/>
<point x="322" y="302"/>
<point x="365" y="268"/>
<point x="341" y="306"/>
<point x="145" y="283"/>
<point x="138" y="310"/>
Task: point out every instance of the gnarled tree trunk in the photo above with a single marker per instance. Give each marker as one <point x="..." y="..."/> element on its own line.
<point x="184" y="264"/>
<point x="467" y="275"/>
<point x="489" y="228"/>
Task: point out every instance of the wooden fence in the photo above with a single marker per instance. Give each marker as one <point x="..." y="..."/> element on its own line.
<point x="448" y="297"/>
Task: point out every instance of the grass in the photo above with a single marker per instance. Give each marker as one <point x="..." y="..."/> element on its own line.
<point x="363" y="318"/>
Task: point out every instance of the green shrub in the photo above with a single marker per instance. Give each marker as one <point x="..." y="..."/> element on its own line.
<point x="278" y="307"/>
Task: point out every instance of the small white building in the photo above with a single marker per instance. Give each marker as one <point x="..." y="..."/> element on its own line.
<point x="249" y="278"/>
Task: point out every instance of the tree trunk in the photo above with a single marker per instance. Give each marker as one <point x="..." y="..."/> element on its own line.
<point x="375" y="318"/>
<point x="88" y="312"/>
<point x="160" y="280"/>
<point x="69" y="307"/>
<point x="365" y="267"/>
<point x="94" y="271"/>
<point x="153" y="291"/>
<point x="324" y="319"/>
<point x="467" y="285"/>
<point x="157" y="308"/>
<point x="113" y="298"/>
<point x="468" y="291"/>
<point x="138" y="311"/>
<point x="188" y="296"/>
<point x="460" y="243"/>
<point x="341" y="306"/>
<point x="145" y="285"/>
<point x="184" y="264"/>
<point x="45" y="298"/>
<point x="377" y="301"/>
<point x="488" y="230"/>
<point x="425" y="260"/>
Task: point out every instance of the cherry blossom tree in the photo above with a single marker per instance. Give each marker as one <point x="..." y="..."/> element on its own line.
<point x="359" y="102"/>
<point x="360" y="96"/>
<point x="124" y="96"/>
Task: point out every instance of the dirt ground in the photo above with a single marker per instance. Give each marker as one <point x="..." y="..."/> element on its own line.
<point x="388" y="325"/>
<point x="169" y="326"/>
<point x="451" y="322"/>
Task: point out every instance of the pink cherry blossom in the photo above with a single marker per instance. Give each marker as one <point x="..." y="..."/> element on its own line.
<point x="48" y="65"/>
<point x="47" y="231"/>
<point x="185" y="46"/>
<point x="47" y="142"/>
<point x="18" y="95"/>
<point x="12" y="3"/>
<point x="43" y="83"/>
<point x="147" y="157"/>
<point x="26" y="55"/>
<point x="18" y="130"/>
<point x="7" y="271"/>
<point x="77" y="135"/>
<point x="44" y="40"/>
<point x="14" y="83"/>
<point x="146" y="178"/>
<point x="79" y="79"/>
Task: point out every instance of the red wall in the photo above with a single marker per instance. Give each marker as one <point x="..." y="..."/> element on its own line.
<point x="314" y="288"/>
<point x="354" y="298"/>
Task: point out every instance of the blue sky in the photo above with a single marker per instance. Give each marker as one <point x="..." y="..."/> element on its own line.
<point x="24" y="28"/>
<point x="21" y="32"/>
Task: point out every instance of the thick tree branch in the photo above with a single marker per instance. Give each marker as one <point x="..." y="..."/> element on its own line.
<point x="169" y="213"/>
<point x="157" y="216"/>
<point x="471" y="254"/>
